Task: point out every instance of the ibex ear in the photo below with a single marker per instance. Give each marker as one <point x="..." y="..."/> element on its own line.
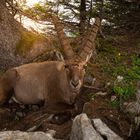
<point x="88" y="57"/>
<point x="59" y="55"/>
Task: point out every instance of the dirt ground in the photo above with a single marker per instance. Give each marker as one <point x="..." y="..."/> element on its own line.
<point x="95" y="108"/>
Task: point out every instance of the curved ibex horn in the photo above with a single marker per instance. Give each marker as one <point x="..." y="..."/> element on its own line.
<point x="62" y="37"/>
<point x="88" y="45"/>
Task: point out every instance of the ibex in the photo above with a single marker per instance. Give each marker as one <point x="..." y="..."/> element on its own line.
<point x="53" y="82"/>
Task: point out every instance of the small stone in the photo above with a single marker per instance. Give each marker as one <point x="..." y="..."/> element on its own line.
<point x="93" y="81"/>
<point x="20" y="114"/>
<point x="22" y="106"/>
<point x="113" y="98"/>
<point x="60" y="118"/>
<point x="108" y="84"/>
<point x="125" y="103"/>
<point x="111" y="116"/>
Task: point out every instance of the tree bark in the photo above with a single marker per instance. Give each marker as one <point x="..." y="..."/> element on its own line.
<point x="14" y="36"/>
<point x="82" y="17"/>
<point x="9" y="36"/>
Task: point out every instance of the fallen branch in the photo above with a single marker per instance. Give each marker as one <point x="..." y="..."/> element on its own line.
<point x="32" y="129"/>
<point x="91" y="87"/>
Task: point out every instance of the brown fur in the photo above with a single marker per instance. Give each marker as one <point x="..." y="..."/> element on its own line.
<point x="54" y="82"/>
<point x="36" y="82"/>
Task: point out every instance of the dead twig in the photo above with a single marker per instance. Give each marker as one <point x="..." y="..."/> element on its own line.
<point x="94" y="88"/>
<point x="35" y="127"/>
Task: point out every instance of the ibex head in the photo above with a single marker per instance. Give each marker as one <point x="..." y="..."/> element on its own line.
<point x="75" y="71"/>
<point x="75" y="63"/>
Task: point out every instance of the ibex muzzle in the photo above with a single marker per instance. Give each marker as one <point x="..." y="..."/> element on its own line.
<point x="53" y="82"/>
<point x="76" y="73"/>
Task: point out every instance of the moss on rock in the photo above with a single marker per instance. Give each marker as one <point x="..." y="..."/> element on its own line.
<point x="26" y="42"/>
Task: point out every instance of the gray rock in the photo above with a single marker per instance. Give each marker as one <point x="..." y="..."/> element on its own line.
<point x="19" y="135"/>
<point x="133" y="108"/>
<point x="104" y="130"/>
<point x="82" y="129"/>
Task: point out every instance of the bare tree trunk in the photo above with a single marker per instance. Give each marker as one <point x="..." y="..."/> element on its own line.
<point x="90" y="12"/>
<point x="82" y="23"/>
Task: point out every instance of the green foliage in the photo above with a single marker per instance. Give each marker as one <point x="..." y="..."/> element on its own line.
<point x="135" y="60"/>
<point x="106" y="45"/>
<point x="40" y="8"/>
<point x="25" y="43"/>
<point x="120" y="15"/>
<point x="114" y="61"/>
<point x="115" y="104"/>
<point x="124" y="91"/>
<point x="133" y="72"/>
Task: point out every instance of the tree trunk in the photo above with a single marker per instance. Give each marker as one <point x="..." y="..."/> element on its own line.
<point x="9" y="37"/>
<point x="82" y="17"/>
<point x="17" y="44"/>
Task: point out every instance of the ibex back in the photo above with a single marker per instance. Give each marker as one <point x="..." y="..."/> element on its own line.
<point x="53" y="82"/>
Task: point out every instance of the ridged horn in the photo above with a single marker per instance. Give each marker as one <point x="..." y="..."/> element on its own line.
<point x="88" y="45"/>
<point x="68" y="52"/>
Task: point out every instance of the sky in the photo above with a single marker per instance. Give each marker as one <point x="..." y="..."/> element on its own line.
<point x="32" y="2"/>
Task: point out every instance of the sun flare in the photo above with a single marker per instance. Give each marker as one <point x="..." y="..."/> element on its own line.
<point x="32" y="2"/>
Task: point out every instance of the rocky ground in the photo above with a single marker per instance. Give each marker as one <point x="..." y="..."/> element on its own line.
<point x="117" y="59"/>
<point x="35" y="119"/>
